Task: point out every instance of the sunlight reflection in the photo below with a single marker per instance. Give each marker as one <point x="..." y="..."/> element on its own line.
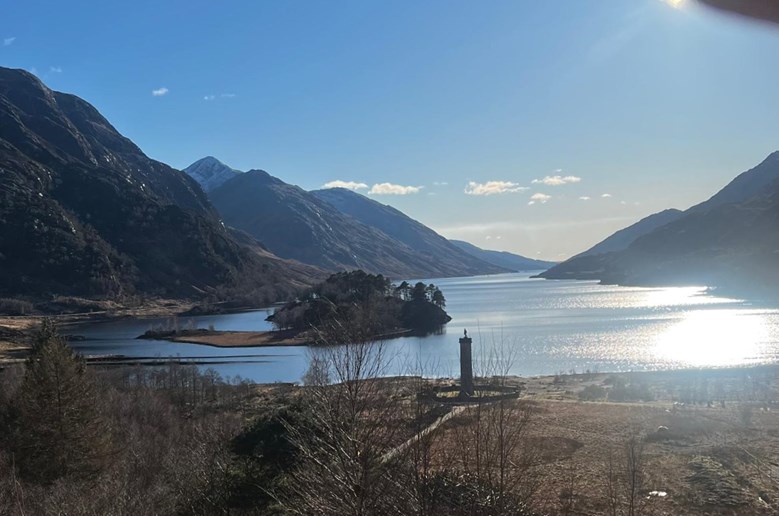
<point x="714" y="338"/>
<point x="681" y="296"/>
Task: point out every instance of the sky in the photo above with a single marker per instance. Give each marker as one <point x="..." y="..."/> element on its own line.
<point x="528" y="126"/>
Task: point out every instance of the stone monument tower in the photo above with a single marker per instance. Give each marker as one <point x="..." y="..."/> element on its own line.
<point x="466" y="366"/>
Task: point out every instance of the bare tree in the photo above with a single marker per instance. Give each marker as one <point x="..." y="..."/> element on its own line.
<point x="491" y="446"/>
<point x="352" y="421"/>
<point x="634" y="472"/>
<point x="625" y="475"/>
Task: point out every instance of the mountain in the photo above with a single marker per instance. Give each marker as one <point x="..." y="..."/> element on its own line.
<point x="510" y="261"/>
<point x="401" y="227"/>
<point x="210" y="173"/>
<point x="624" y="237"/>
<point x="85" y="212"/>
<point x="731" y="241"/>
<point x="745" y="186"/>
<point x="296" y="224"/>
<point x="586" y="265"/>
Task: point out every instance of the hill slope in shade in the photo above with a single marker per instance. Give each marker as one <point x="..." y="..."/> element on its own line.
<point x="624" y="237"/>
<point x="84" y="212"/>
<point x="423" y="240"/>
<point x="717" y="243"/>
<point x="745" y="186"/>
<point x="581" y="265"/>
<point x="296" y="224"/>
<point x="510" y="261"/>
<point x="210" y="173"/>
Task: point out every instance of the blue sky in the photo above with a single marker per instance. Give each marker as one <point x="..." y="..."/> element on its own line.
<point x="653" y="105"/>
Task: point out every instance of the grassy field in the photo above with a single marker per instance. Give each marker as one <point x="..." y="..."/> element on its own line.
<point x="701" y="454"/>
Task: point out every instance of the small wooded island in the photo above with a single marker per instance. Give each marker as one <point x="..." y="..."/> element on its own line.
<point x="373" y="307"/>
<point x="370" y="302"/>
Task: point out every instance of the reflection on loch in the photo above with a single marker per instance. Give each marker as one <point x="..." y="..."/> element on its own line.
<point x="548" y="326"/>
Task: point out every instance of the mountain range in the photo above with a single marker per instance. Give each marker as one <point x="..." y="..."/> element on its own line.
<point x="730" y="240"/>
<point x="338" y="229"/>
<point x="308" y="227"/>
<point x="85" y="212"/>
<point x="510" y="261"/>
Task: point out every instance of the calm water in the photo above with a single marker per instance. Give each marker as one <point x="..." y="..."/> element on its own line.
<point x="543" y="327"/>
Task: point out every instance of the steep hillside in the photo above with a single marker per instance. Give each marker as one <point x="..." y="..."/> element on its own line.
<point x="296" y="224"/>
<point x="587" y="264"/>
<point x="510" y="261"/>
<point x="84" y="212"/>
<point x="624" y="237"/>
<point x="403" y="228"/>
<point x="720" y="243"/>
<point x="745" y="186"/>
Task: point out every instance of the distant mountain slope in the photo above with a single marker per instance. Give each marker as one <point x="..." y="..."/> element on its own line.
<point x="210" y="173"/>
<point x="745" y="186"/>
<point x="624" y="237"/>
<point x="84" y="212"/>
<point x="720" y="243"/>
<point x="587" y="264"/>
<point x="510" y="261"/>
<point x="401" y="227"/>
<point x="296" y="224"/>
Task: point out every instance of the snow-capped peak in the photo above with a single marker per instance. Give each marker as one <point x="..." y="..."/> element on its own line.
<point x="210" y="172"/>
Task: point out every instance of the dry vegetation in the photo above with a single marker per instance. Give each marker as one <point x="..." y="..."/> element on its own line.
<point x="708" y="440"/>
<point x="174" y="440"/>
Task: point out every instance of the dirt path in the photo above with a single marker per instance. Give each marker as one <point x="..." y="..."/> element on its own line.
<point x="421" y="435"/>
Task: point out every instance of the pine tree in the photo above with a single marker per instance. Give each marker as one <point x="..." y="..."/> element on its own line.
<point x="60" y="430"/>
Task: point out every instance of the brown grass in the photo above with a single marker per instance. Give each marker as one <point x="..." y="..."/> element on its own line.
<point x="713" y="459"/>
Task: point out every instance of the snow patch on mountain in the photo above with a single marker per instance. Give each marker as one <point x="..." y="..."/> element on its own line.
<point x="210" y="173"/>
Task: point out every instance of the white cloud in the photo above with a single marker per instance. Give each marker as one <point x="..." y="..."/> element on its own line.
<point x="393" y="189"/>
<point x="557" y="180"/>
<point x="55" y="69"/>
<point x="160" y="92"/>
<point x="351" y="185"/>
<point x="440" y="183"/>
<point x="539" y="198"/>
<point x="584" y="198"/>
<point x="221" y="96"/>
<point x="606" y="195"/>
<point x="7" y="42"/>
<point x="492" y="188"/>
<point x="513" y="227"/>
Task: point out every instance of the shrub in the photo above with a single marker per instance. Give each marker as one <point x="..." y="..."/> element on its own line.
<point x="15" y="307"/>
<point x="592" y="393"/>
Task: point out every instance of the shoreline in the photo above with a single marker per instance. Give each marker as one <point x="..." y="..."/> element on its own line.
<point x="241" y="339"/>
<point x="16" y="330"/>
<point x="232" y="339"/>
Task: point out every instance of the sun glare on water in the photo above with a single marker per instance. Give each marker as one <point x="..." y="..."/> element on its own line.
<point x="714" y="338"/>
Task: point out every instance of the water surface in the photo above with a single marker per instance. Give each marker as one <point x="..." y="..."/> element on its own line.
<point x="536" y="326"/>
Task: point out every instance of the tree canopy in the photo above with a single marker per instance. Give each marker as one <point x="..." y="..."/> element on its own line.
<point x="60" y="428"/>
<point x="371" y="300"/>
